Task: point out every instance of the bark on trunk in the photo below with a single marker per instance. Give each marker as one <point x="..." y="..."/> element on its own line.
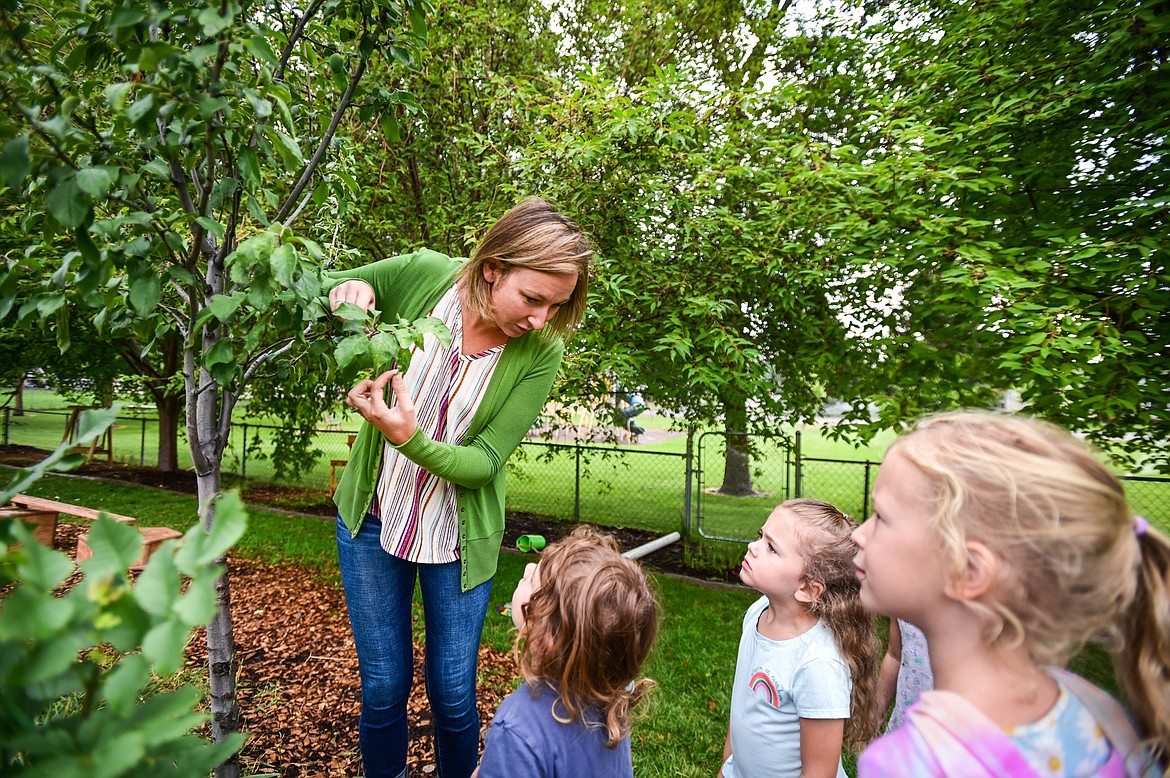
<point x="208" y="414"/>
<point x="18" y="397"/>
<point x="737" y="471"/>
<point x="169" y="408"/>
<point x="221" y="646"/>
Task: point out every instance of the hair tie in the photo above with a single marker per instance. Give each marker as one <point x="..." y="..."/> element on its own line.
<point x="1140" y="525"/>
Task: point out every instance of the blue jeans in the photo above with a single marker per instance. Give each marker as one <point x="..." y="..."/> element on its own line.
<point x="378" y="592"/>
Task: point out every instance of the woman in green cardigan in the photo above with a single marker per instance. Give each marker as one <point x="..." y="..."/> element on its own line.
<point x="423" y="494"/>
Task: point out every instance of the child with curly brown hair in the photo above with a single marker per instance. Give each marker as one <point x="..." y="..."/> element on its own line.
<point x="587" y="619"/>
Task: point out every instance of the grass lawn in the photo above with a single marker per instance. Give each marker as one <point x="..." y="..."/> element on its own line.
<point x="683" y="728"/>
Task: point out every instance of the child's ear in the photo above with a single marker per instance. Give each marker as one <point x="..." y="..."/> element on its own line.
<point x="810" y="591"/>
<point x="978" y="575"/>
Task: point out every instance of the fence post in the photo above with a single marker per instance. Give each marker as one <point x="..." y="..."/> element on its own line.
<point x="687" y="486"/>
<point x="577" y="489"/>
<point x="6" y="417"/>
<point x="244" y="454"/>
<point x="865" y="496"/>
<point x="142" y="444"/>
<point x="799" y="486"/>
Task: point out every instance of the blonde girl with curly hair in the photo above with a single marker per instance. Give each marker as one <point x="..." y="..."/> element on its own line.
<point x="1011" y="545"/>
<point x="588" y="619"/>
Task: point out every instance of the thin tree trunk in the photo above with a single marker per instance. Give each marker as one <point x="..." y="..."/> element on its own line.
<point x="18" y="397"/>
<point x="205" y="438"/>
<point x="221" y="645"/>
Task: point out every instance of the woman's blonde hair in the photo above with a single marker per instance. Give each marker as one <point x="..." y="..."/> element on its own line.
<point x="532" y="236"/>
<point x="1075" y="563"/>
<point x="588" y="628"/>
<point x="827" y="550"/>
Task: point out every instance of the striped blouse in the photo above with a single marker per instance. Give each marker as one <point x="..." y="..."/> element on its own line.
<point x="418" y="510"/>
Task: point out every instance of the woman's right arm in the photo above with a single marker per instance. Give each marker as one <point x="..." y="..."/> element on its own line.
<point x="375" y="283"/>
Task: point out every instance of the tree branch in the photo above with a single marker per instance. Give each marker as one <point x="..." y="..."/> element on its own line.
<point x="311" y="168"/>
<point x="294" y="37"/>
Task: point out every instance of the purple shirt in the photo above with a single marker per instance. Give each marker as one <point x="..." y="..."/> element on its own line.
<point x="525" y="741"/>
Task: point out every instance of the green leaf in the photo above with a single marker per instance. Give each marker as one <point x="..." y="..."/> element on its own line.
<point x="145" y="293"/>
<point x="352" y="350"/>
<point x="210" y="225"/>
<point x="260" y="104"/>
<point x="56" y="652"/>
<point x="42" y="567"/>
<point x="249" y="166"/>
<point x="68" y="203"/>
<point x="90" y="424"/>
<point x="258" y="46"/>
<point x="284" y="264"/>
<point x="115" y="545"/>
<point x="289" y="150"/>
<point x="384" y="348"/>
<point x="118" y="753"/>
<point x="213" y="23"/>
<point x="157" y="587"/>
<point x="418" y="21"/>
<point x="116" y="95"/>
<point x="30" y="615"/>
<point x="141" y="113"/>
<point x="94" y="181"/>
<point x="163" y="646"/>
<point x="14" y="162"/>
<point x="158" y="168"/>
<point x="202" y="548"/>
<point x="436" y="327"/>
<point x="121" y="686"/>
<point x="223" y="307"/>
<point x="220" y="353"/>
<point x="209" y="106"/>
<point x="389" y="127"/>
<point x="198" y="606"/>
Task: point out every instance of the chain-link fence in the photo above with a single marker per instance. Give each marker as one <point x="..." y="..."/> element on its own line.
<point x="694" y="490"/>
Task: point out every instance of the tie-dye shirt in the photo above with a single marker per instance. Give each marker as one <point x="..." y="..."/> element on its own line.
<point x="1087" y="733"/>
<point x="418" y="509"/>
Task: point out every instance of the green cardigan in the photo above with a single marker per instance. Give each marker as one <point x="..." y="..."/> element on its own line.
<point x="408" y="287"/>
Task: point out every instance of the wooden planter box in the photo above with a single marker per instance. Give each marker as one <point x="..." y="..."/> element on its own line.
<point x="152" y="538"/>
<point x="43" y="523"/>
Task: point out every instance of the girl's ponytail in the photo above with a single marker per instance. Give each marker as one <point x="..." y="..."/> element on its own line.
<point x="1143" y="661"/>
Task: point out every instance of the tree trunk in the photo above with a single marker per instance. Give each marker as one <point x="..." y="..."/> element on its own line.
<point x="18" y="397"/>
<point x="206" y="411"/>
<point x="221" y="644"/>
<point x="737" y="471"/>
<point x="170" y="408"/>
<point x="168" y="403"/>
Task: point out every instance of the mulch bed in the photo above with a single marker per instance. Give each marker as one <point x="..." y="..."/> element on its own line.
<point x="298" y="686"/>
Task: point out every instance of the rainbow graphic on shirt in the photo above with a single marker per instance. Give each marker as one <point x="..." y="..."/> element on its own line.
<point x="762" y="682"/>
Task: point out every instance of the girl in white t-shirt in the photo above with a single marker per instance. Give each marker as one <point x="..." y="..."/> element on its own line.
<point x="806" y="674"/>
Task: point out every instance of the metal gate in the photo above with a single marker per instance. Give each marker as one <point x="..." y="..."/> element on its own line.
<point x="774" y="478"/>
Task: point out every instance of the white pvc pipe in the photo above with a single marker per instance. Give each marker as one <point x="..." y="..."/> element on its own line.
<point x="652" y="546"/>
